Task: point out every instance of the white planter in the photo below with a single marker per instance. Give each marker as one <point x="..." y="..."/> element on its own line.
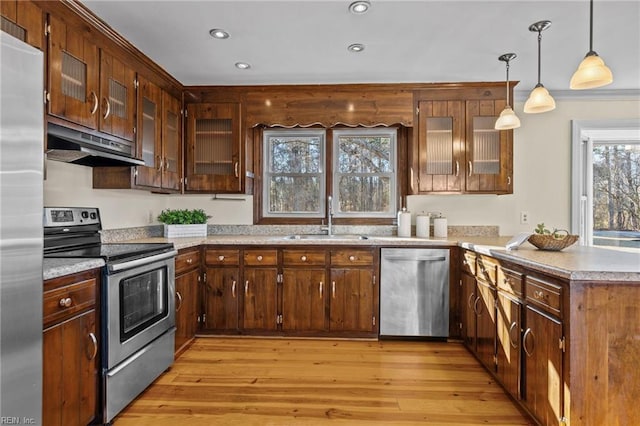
<point x="175" y="231"/>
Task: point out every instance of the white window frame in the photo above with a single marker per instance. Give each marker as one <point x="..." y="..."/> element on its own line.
<point x="586" y="133"/>
<point x="267" y="174"/>
<point x="390" y="132"/>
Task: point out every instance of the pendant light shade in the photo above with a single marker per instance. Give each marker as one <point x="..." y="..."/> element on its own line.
<point x="539" y="100"/>
<point x="592" y="72"/>
<point x="508" y="119"/>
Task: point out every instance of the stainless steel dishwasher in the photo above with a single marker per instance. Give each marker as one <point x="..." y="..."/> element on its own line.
<point x="414" y="292"/>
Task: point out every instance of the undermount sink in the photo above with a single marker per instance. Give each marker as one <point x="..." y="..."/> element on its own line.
<point x="326" y="237"/>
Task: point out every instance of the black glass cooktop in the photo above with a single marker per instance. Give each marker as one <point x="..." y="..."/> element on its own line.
<point x="114" y="252"/>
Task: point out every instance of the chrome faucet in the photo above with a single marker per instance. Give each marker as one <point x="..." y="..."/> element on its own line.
<point x="329" y="227"/>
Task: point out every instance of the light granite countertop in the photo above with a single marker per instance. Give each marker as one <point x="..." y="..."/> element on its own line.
<point x="575" y="263"/>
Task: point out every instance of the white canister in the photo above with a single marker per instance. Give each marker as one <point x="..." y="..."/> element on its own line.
<point x="423" y="225"/>
<point x="440" y="227"/>
<point x="404" y="223"/>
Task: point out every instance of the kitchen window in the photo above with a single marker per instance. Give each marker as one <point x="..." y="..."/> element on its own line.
<point x="301" y="167"/>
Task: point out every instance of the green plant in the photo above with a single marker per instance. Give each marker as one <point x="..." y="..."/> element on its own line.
<point x="556" y="233"/>
<point x="183" y="217"/>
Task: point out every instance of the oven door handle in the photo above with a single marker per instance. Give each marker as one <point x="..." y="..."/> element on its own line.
<point x="143" y="261"/>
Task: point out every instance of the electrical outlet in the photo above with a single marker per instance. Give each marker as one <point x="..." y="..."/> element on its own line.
<point x="524" y="218"/>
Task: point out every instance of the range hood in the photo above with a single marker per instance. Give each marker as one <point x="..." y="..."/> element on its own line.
<point x="72" y="146"/>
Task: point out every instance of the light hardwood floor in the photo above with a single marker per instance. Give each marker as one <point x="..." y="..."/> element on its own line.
<point x="242" y="381"/>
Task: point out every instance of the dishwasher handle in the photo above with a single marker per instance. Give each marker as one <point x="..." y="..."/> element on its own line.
<point x="416" y="259"/>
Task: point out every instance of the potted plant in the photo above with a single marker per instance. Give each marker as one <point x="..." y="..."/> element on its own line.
<point x="184" y="222"/>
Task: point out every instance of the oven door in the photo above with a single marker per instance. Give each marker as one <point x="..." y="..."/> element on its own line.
<point x="138" y="306"/>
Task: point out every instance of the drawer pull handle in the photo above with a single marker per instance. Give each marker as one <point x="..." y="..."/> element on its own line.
<point x="471" y="296"/>
<point x="246" y="287"/>
<point x="333" y="289"/>
<point x="233" y="289"/>
<point x="320" y="289"/>
<point x="220" y="258"/>
<point x="259" y="258"/>
<point x="538" y="295"/>
<point x="189" y="261"/>
<point x="108" y="107"/>
<point x="179" y="296"/>
<point x="94" y="350"/>
<point x="65" y="302"/>
<point x="524" y="342"/>
<point x="352" y="258"/>
<point x="475" y="306"/>
<point x="514" y="345"/>
<point x="95" y="102"/>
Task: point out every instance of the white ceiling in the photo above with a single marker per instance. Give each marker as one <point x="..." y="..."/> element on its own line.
<point x="305" y="41"/>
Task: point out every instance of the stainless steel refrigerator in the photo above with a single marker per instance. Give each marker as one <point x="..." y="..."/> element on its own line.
<point x="21" y="186"/>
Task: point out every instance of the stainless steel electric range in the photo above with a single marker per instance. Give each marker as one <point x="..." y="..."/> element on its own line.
<point x="137" y="302"/>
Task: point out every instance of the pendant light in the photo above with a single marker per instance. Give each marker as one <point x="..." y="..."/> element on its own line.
<point x="539" y="100"/>
<point x="592" y="72"/>
<point x="508" y="119"/>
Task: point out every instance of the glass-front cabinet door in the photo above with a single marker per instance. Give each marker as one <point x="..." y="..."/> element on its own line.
<point x="213" y="147"/>
<point x="117" y="97"/>
<point x="489" y="156"/>
<point x="171" y="142"/>
<point x="440" y="146"/>
<point x="149" y="131"/>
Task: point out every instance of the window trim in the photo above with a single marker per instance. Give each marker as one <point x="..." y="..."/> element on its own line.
<point x="391" y="132"/>
<point x="266" y="174"/>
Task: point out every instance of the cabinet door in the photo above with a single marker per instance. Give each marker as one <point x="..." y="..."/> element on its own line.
<point x="351" y="301"/>
<point x="149" y="130"/>
<point x="468" y="314"/>
<point x="260" y="298"/>
<point x="117" y="97"/>
<point x="509" y="330"/>
<point x="70" y="372"/>
<point x="23" y="20"/>
<point x="543" y="366"/>
<point x="171" y="142"/>
<point x="485" y="307"/>
<point x="73" y="75"/>
<point x="186" y="307"/>
<point x="213" y="147"/>
<point x="221" y="299"/>
<point x="303" y="299"/>
<point x="489" y="152"/>
<point x="440" y="146"/>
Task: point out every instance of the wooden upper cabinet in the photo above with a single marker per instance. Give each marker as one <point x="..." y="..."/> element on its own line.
<point x="456" y="148"/>
<point x="171" y="142"/>
<point x="23" y="20"/>
<point x="213" y="148"/>
<point x="87" y="85"/>
<point x="149" y="147"/>
<point x="73" y="83"/>
<point x="117" y="97"/>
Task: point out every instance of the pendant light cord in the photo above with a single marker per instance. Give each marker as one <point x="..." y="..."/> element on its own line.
<point x="539" y="56"/>
<point x="507" y="83"/>
<point x="591" y="27"/>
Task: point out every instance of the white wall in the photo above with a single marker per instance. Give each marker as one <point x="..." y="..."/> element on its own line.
<point x="542" y="187"/>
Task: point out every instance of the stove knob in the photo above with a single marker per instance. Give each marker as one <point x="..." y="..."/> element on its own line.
<point x="93" y="215"/>
<point x="84" y="214"/>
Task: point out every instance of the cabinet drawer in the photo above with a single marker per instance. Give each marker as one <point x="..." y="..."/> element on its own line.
<point x="303" y="257"/>
<point x="486" y="269"/>
<point x="544" y="294"/>
<point x="261" y="257"/>
<point x="64" y="302"/>
<point x="509" y="281"/>
<point x="351" y="257"/>
<point x="187" y="260"/>
<point x="222" y="257"/>
<point x="468" y="262"/>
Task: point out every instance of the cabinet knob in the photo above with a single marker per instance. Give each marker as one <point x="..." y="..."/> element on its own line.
<point x="65" y="302"/>
<point x="259" y="258"/>
<point x="303" y="258"/>
<point x="220" y="258"/>
<point x="352" y="258"/>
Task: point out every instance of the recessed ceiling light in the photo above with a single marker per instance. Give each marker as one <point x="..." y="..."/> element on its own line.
<point x="359" y="7"/>
<point x="243" y="65"/>
<point x="355" y="47"/>
<point x="218" y="33"/>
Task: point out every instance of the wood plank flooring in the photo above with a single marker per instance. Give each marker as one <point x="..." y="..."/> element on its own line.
<point x="242" y="381"/>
